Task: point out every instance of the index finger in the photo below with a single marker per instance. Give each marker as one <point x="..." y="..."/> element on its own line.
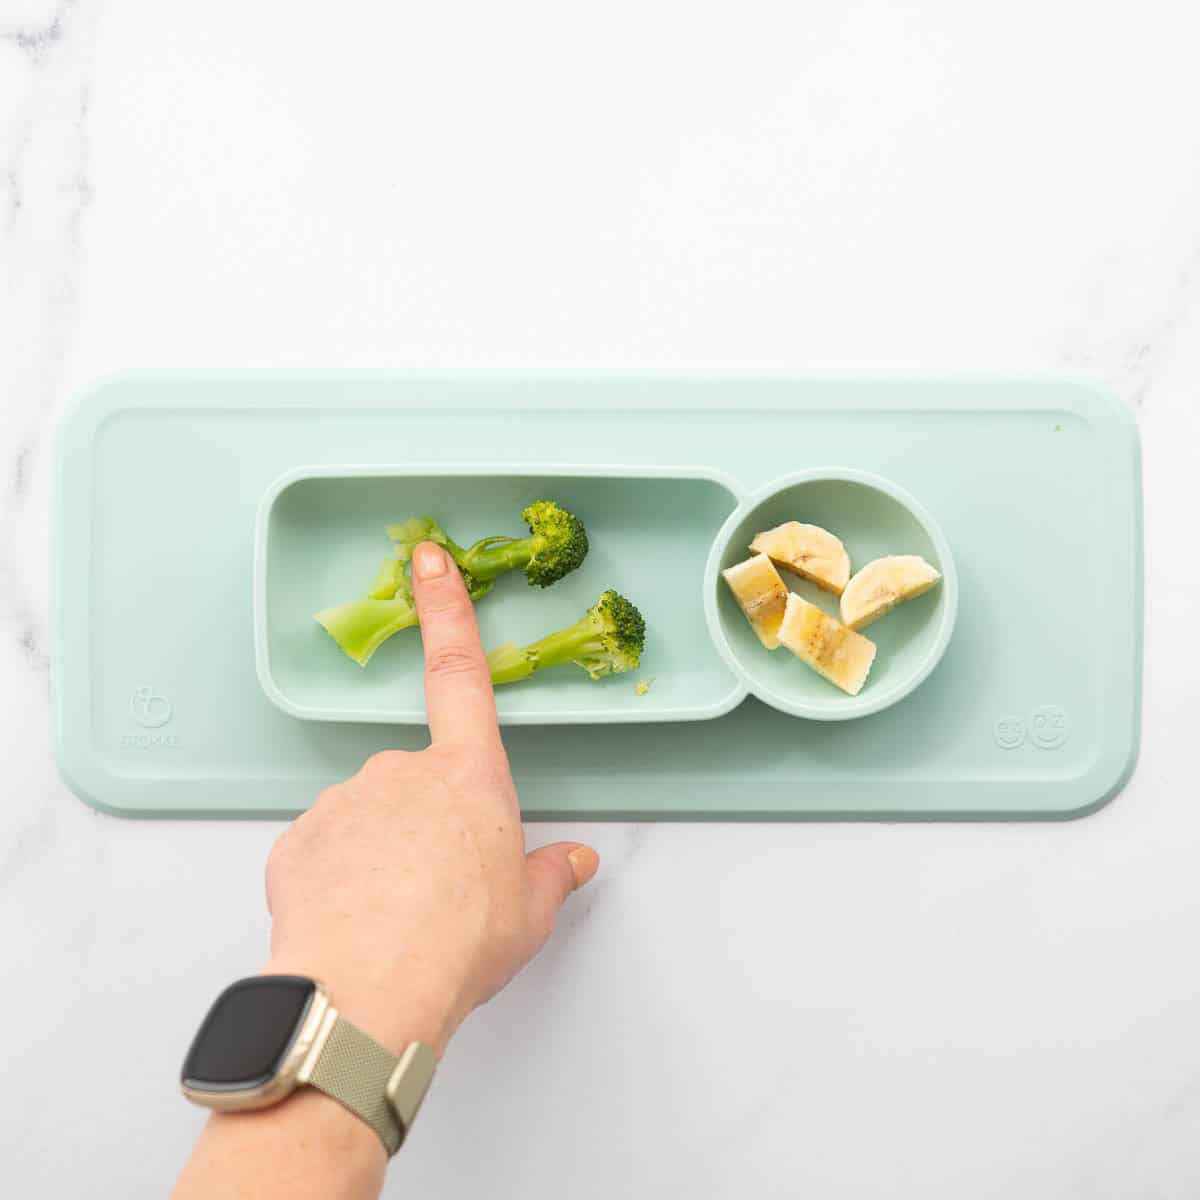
<point x="458" y="686"/>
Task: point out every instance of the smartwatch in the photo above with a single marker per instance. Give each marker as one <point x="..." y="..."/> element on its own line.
<point x="268" y="1035"/>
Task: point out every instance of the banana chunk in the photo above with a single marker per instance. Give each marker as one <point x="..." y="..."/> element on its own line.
<point x="761" y="594"/>
<point x="883" y="584"/>
<point x="832" y="650"/>
<point x="811" y="552"/>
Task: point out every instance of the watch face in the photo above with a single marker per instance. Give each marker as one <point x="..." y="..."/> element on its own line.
<point x="247" y="1033"/>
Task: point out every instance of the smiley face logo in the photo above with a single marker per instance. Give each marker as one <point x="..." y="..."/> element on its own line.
<point x="150" y="711"/>
<point x="1009" y="732"/>
<point x="1048" y="726"/>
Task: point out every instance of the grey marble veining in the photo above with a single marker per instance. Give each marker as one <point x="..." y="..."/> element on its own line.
<point x="44" y="151"/>
<point x="38" y="37"/>
<point x="841" y="1012"/>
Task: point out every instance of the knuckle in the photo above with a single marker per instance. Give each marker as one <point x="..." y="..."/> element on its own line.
<point x="328" y="813"/>
<point x="385" y="762"/>
<point x="493" y="775"/>
<point x="448" y="768"/>
<point x="327" y="799"/>
<point x="453" y="660"/>
<point x="280" y="857"/>
<point x="277" y="852"/>
<point x="468" y="764"/>
<point x="442" y="760"/>
<point x="319" y="814"/>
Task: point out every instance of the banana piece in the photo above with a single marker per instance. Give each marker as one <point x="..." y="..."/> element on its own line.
<point x="829" y="647"/>
<point x="760" y="593"/>
<point x="883" y="584"/>
<point x="808" y="550"/>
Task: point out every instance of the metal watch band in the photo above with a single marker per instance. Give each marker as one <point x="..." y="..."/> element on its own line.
<point x="383" y="1090"/>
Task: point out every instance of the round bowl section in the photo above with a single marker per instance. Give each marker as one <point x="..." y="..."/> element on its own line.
<point x="873" y="517"/>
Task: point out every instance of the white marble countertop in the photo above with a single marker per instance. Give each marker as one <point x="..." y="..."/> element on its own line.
<point x="771" y="1011"/>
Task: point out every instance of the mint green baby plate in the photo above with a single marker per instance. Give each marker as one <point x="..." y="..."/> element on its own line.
<point x="873" y="517"/>
<point x="320" y="540"/>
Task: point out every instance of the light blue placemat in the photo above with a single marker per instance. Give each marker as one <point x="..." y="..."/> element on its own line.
<point x="1034" y="712"/>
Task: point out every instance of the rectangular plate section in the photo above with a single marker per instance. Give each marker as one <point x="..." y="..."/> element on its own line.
<point x="321" y="539"/>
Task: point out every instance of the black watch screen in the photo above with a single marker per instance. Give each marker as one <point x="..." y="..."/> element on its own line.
<point x="248" y="1031"/>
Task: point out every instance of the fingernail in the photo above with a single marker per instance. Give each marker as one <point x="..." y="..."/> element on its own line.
<point x="429" y="561"/>
<point x="584" y="864"/>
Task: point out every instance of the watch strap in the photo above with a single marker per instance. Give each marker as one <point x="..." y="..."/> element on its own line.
<point x="361" y="1075"/>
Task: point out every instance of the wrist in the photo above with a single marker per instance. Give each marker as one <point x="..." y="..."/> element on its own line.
<point x="309" y="1138"/>
<point x="393" y="1016"/>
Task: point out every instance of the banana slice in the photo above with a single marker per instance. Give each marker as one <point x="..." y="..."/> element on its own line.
<point x="808" y="550"/>
<point x="761" y="595"/>
<point x="883" y="584"/>
<point x="829" y="647"/>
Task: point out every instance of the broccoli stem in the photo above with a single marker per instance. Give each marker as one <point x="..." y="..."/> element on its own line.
<point x="509" y="663"/>
<point x="494" y="556"/>
<point x="361" y="626"/>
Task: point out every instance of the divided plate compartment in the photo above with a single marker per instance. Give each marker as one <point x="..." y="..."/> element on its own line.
<point x="320" y="541"/>
<point x="1033" y="712"/>
<point x="872" y="518"/>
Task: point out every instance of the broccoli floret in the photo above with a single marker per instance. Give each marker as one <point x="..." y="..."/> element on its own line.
<point x="607" y="641"/>
<point x="556" y="545"/>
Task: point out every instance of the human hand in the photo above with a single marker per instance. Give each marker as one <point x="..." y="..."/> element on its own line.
<point x="406" y="889"/>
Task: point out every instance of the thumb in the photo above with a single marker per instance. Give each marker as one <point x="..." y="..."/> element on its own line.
<point x="554" y="872"/>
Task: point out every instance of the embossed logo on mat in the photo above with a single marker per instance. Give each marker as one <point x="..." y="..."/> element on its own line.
<point x="1009" y="732"/>
<point x="1048" y="726"/>
<point x="151" y="711"/>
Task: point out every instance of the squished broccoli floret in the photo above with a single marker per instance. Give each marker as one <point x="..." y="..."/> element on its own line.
<point x="361" y="626"/>
<point x="391" y="581"/>
<point x="409" y="534"/>
<point x="608" y="641"/>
